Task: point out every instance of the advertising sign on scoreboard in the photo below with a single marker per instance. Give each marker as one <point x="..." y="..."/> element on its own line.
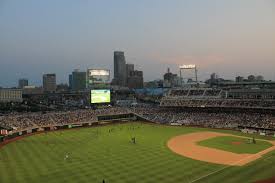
<point x="98" y="76"/>
<point x="100" y="96"/>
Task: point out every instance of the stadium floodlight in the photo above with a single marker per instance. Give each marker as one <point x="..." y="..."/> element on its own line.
<point x="188" y="67"/>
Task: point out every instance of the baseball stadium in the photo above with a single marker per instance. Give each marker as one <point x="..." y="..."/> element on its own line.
<point x="141" y="91"/>
<point x="191" y="136"/>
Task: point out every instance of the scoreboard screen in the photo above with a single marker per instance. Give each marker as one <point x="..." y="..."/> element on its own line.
<point x="100" y="96"/>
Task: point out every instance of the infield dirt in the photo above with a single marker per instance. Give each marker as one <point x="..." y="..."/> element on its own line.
<point x="186" y="145"/>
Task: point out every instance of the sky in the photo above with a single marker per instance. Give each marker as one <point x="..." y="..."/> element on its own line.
<point x="228" y="37"/>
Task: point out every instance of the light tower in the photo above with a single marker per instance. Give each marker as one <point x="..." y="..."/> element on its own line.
<point x="191" y="67"/>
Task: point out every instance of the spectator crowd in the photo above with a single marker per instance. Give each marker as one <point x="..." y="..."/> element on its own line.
<point x="214" y="119"/>
<point x="18" y="121"/>
<point x="154" y="113"/>
<point x="229" y="103"/>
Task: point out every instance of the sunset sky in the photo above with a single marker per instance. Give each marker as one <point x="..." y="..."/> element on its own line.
<point x="229" y="37"/>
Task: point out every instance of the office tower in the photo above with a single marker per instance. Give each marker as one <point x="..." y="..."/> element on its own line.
<point x="120" y="76"/>
<point x="78" y="80"/>
<point x="49" y="83"/>
<point x="129" y="68"/>
<point x="22" y="83"/>
<point x="70" y="81"/>
<point x="170" y="80"/>
<point x="135" y="79"/>
<point x="10" y="95"/>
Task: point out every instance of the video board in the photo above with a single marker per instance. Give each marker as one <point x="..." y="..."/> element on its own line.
<point x="100" y="96"/>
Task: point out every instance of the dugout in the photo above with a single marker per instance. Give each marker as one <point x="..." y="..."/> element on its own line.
<point x="47" y="128"/>
<point x="11" y="136"/>
<point x="85" y="124"/>
<point x="94" y="124"/>
<point x="61" y="127"/>
<point x="34" y="130"/>
<point x="117" y="117"/>
<point x="24" y="132"/>
<point x="267" y="131"/>
<point x="1" y="138"/>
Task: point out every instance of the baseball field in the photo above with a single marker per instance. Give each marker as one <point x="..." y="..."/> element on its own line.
<point x="138" y="152"/>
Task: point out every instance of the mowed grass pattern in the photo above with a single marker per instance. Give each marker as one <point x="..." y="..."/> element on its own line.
<point x="96" y="154"/>
<point x="236" y="144"/>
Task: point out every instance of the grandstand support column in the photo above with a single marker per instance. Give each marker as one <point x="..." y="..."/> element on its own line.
<point x="196" y="74"/>
<point x="180" y="78"/>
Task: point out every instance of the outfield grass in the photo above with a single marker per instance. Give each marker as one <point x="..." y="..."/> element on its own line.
<point x="96" y="154"/>
<point x="236" y="144"/>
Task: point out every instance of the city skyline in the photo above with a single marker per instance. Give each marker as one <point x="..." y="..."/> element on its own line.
<point x="230" y="38"/>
